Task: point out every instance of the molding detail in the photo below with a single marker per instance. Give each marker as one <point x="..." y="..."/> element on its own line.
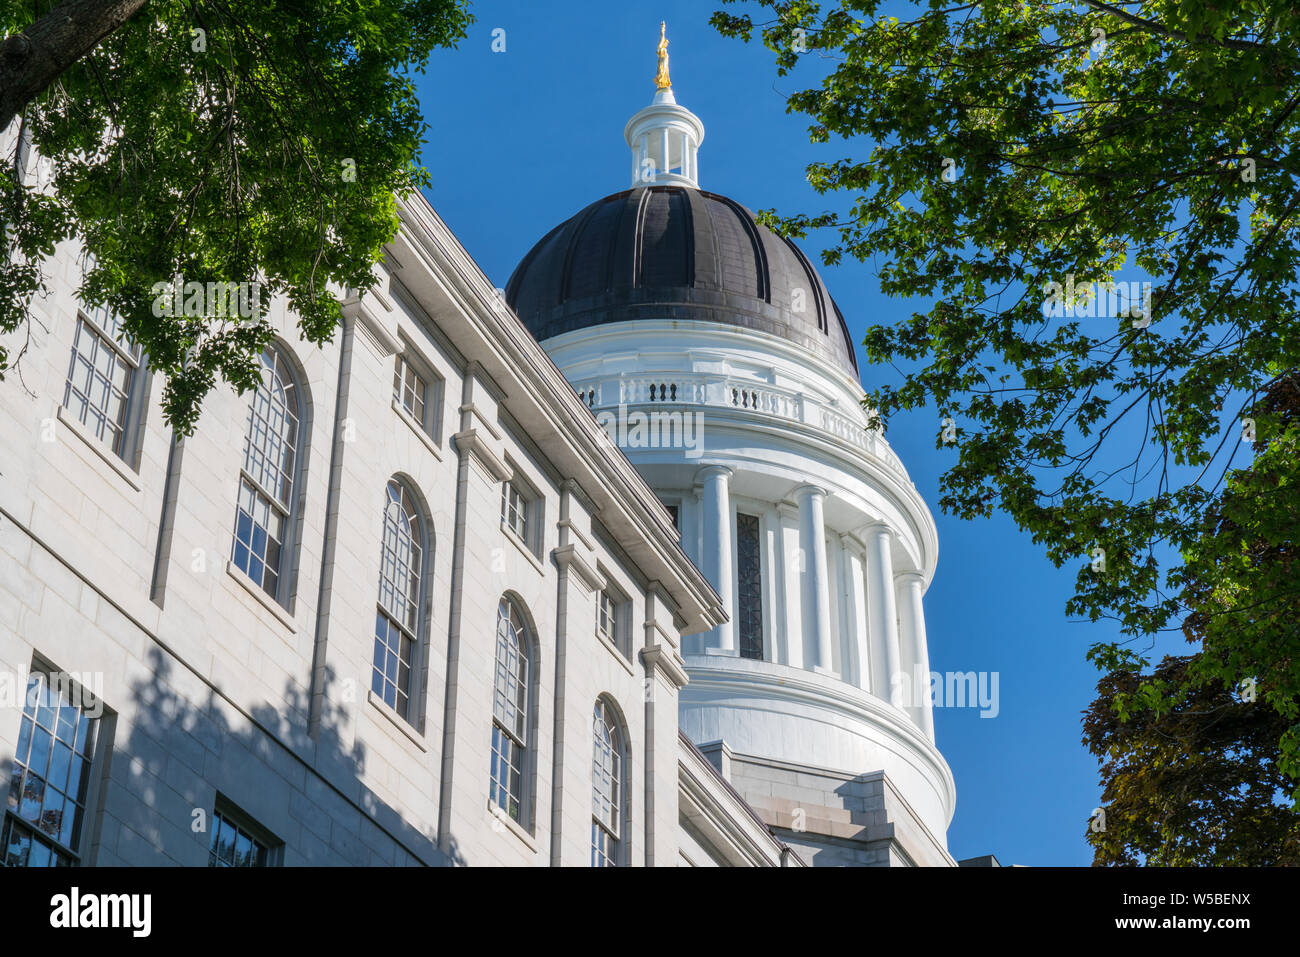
<point x="666" y="660"/>
<point x="373" y="328"/>
<point x="471" y="443"/>
<point x="569" y="557"/>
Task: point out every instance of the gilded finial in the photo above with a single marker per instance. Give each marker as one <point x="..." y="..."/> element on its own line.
<point x="662" y="82"/>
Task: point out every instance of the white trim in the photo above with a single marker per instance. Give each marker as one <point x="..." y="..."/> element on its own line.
<point x="265" y="600"/>
<point x="513" y="826"/>
<point x="397" y="720"/>
<point x="613" y="650"/>
<point x="108" y="337"/>
<point x="777" y="687"/>
<point x="513" y="537"/>
<point x="105" y="454"/>
<point x="421" y="432"/>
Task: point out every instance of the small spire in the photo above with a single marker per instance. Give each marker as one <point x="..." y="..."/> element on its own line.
<point x="662" y="82"/>
<point x="664" y="137"/>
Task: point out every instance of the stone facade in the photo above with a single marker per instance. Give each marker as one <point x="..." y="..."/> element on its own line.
<point x="115" y="566"/>
<point x="554" y="547"/>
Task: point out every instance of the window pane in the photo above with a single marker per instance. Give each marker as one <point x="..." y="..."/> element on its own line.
<point x="267" y="486"/>
<point x="401" y="572"/>
<point x="234" y="845"/>
<point x="47" y="784"/>
<point x="606" y="813"/>
<point x="510" y="711"/>
<point x="98" y="386"/>
<point x="749" y="599"/>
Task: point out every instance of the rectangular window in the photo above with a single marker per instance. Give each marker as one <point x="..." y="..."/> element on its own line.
<point x="749" y="598"/>
<point x="514" y="511"/>
<point x="410" y="389"/>
<point x="98" y="388"/>
<point x="506" y="786"/>
<point x="50" y="778"/>
<point x="391" y="672"/>
<point x="237" y="841"/>
<point x="604" y="847"/>
<point x="607" y="621"/>
<point x="676" y="512"/>
<point x="259" y="536"/>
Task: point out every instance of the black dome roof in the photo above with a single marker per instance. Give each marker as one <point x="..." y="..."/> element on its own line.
<point x="670" y="252"/>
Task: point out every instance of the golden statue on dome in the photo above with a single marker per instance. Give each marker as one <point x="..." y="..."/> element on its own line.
<point x="661" y="78"/>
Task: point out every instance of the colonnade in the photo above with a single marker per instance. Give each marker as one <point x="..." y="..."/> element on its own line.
<point x="843" y="611"/>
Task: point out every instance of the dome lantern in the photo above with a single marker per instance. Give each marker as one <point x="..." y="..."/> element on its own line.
<point x="664" y="137"/>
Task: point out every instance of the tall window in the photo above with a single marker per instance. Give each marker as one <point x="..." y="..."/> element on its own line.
<point x="397" y="621"/>
<point x="50" y="777"/>
<point x="510" y="711"/>
<point x="749" y="598"/>
<point x="606" y="778"/>
<point x="266" y="481"/>
<point x="101" y="374"/>
<point x="514" y="510"/>
<point x="607" y="621"/>
<point x="409" y="388"/>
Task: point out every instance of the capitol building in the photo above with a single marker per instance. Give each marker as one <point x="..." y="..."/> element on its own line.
<point x="606" y="567"/>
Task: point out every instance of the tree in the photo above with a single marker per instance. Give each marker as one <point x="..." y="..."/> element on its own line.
<point x="1019" y="156"/>
<point x="1240" y="577"/>
<point x="213" y="141"/>
<point x="1196" y="783"/>
<point x="1194" y="756"/>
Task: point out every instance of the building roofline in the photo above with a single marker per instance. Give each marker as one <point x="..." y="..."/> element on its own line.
<point x="783" y="851"/>
<point x="537" y="394"/>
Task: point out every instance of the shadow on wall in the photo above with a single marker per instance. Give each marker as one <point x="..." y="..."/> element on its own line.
<point x="160" y="784"/>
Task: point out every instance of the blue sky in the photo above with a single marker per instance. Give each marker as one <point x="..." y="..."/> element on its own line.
<point x="521" y="140"/>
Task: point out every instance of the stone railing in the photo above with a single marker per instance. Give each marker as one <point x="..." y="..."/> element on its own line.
<point x="721" y="391"/>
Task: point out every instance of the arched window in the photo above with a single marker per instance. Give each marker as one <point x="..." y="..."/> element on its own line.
<point x="510" y="711"/>
<point x="268" y="476"/>
<point x="606" y="785"/>
<point x="397" y="620"/>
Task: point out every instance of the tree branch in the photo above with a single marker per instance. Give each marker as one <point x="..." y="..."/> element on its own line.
<point x="31" y="60"/>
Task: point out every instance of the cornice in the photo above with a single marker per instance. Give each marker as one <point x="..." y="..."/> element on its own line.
<point x="569" y="557"/>
<point x="769" y="681"/>
<point x="473" y="444"/>
<point x="666" y="660"/>
<point x="626" y="505"/>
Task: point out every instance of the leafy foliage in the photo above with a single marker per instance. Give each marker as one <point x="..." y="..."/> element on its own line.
<point x="1240" y="578"/>
<point x="222" y="141"/>
<point x="1195" y="783"/>
<point x="1087" y="142"/>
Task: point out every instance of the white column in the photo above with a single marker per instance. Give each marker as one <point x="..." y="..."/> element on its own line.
<point x="716" y="507"/>
<point x="663" y="144"/>
<point x="912" y="616"/>
<point x="645" y="153"/>
<point x="792" y="569"/>
<point x="855" y="617"/>
<point x="816" y="580"/>
<point x="840" y="663"/>
<point x="889" y="679"/>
